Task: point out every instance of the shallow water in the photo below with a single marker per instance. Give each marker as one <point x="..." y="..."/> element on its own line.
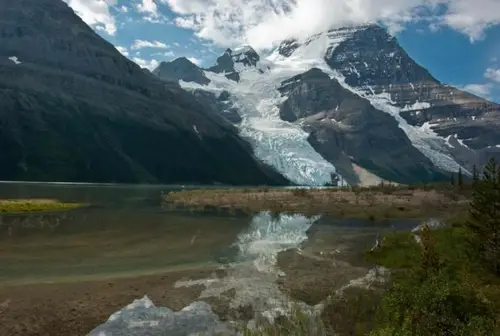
<point x="127" y="233"/>
<point x="124" y="232"/>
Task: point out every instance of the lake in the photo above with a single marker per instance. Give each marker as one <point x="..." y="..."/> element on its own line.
<point x="95" y="260"/>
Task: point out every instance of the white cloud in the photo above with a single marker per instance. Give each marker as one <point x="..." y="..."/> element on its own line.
<point x="263" y="23"/>
<point x="168" y="54"/>
<point x="492" y="74"/>
<point x="195" y="60"/>
<point x="148" y="64"/>
<point x="188" y="23"/>
<point x="123" y="9"/>
<point x="139" y="44"/>
<point x="148" y="6"/>
<point x="482" y="90"/>
<point x="95" y="13"/>
<point x="122" y="50"/>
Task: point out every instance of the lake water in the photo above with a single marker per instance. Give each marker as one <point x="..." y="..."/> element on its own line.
<point x="127" y="233"/>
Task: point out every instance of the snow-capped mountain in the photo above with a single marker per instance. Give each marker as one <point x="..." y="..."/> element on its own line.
<point x="346" y="102"/>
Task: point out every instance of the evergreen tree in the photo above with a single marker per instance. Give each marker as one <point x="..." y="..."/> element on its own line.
<point x="484" y="222"/>
<point x="430" y="262"/>
<point x="460" y="178"/>
<point x="475" y="175"/>
<point x="452" y="180"/>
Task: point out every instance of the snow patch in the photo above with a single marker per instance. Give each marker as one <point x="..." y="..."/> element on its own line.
<point x="416" y="106"/>
<point x="15" y="60"/>
<point x="423" y="138"/>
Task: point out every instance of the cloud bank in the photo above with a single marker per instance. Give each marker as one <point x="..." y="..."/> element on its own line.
<point x="263" y="23"/>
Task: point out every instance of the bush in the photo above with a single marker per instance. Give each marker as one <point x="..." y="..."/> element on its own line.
<point x="438" y="305"/>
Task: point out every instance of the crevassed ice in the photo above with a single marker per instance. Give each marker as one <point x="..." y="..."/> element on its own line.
<point x="281" y="144"/>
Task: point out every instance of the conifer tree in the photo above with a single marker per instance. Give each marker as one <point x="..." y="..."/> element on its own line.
<point x="430" y="262"/>
<point x="475" y="175"/>
<point x="460" y="178"/>
<point x="484" y="222"/>
<point x="452" y="180"/>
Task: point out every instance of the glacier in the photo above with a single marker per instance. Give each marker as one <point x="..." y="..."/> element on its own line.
<point x="280" y="144"/>
<point x="285" y="145"/>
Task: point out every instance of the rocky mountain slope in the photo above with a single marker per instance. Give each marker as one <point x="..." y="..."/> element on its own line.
<point x="72" y="108"/>
<point x="361" y="103"/>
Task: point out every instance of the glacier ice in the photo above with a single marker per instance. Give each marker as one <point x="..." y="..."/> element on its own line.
<point x="281" y="144"/>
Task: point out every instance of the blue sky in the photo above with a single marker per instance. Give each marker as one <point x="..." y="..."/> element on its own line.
<point x="457" y="40"/>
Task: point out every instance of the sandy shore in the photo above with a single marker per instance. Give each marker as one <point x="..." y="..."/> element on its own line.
<point x="75" y="308"/>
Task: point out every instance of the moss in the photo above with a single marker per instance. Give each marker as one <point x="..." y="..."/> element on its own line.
<point x="35" y="205"/>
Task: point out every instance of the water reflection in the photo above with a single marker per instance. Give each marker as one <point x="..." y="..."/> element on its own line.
<point x="252" y="277"/>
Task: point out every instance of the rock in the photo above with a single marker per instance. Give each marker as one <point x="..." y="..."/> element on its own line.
<point x="345" y="128"/>
<point x="372" y="60"/>
<point x="181" y="69"/>
<point x="75" y="109"/>
<point x="142" y="318"/>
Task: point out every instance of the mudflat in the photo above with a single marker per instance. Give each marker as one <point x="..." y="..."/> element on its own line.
<point x="75" y="308"/>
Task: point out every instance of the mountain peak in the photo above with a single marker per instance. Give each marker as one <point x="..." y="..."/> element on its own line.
<point x="181" y="69"/>
<point x="315" y="44"/>
<point x="244" y="54"/>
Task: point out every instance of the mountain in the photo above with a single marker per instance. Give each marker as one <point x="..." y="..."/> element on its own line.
<point x="72" y="108"/>
<point x="181" y="68"/>
<point x="349" y="103"/>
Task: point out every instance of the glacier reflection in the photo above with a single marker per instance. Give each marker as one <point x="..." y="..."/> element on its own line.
<point x="252" y="276"/>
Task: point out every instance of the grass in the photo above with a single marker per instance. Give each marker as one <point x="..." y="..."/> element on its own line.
<point x="373" y="203"/>
<point x="35" y="205"/>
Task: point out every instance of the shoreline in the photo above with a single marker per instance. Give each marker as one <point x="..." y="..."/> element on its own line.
<point x="375" y="203"/>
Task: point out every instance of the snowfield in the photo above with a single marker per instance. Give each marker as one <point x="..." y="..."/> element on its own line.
<point x="284" y="145"/>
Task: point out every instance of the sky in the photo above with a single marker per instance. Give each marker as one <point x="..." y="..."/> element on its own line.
<point x="458" y="41"/>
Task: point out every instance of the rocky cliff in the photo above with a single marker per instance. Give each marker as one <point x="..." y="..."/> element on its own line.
<point x="363" y="102"/>
<point x="72" y="108"/>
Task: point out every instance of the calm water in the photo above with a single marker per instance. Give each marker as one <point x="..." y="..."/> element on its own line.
<point x="126" y="231"/>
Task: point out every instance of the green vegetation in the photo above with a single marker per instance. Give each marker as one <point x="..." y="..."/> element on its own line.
<point x="449" y="284"/>
<point x="35" y="205"/>
<point x="443" y="282"/>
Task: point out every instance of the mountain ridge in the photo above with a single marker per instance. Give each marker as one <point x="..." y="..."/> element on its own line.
<point x="369" y="63"/>
<point x="73" y="108"/>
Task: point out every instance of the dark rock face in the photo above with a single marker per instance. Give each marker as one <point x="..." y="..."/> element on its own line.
<point x="75" y="109"/>
<point x="221" y="105"/>
<point x="181" y="69"/>
<point x="245" y="55"/>
<point x="373" y="61"/>
<point x="225" y="63"/>
<point x="287" y="47"/>
<point x="345" y="128"/>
